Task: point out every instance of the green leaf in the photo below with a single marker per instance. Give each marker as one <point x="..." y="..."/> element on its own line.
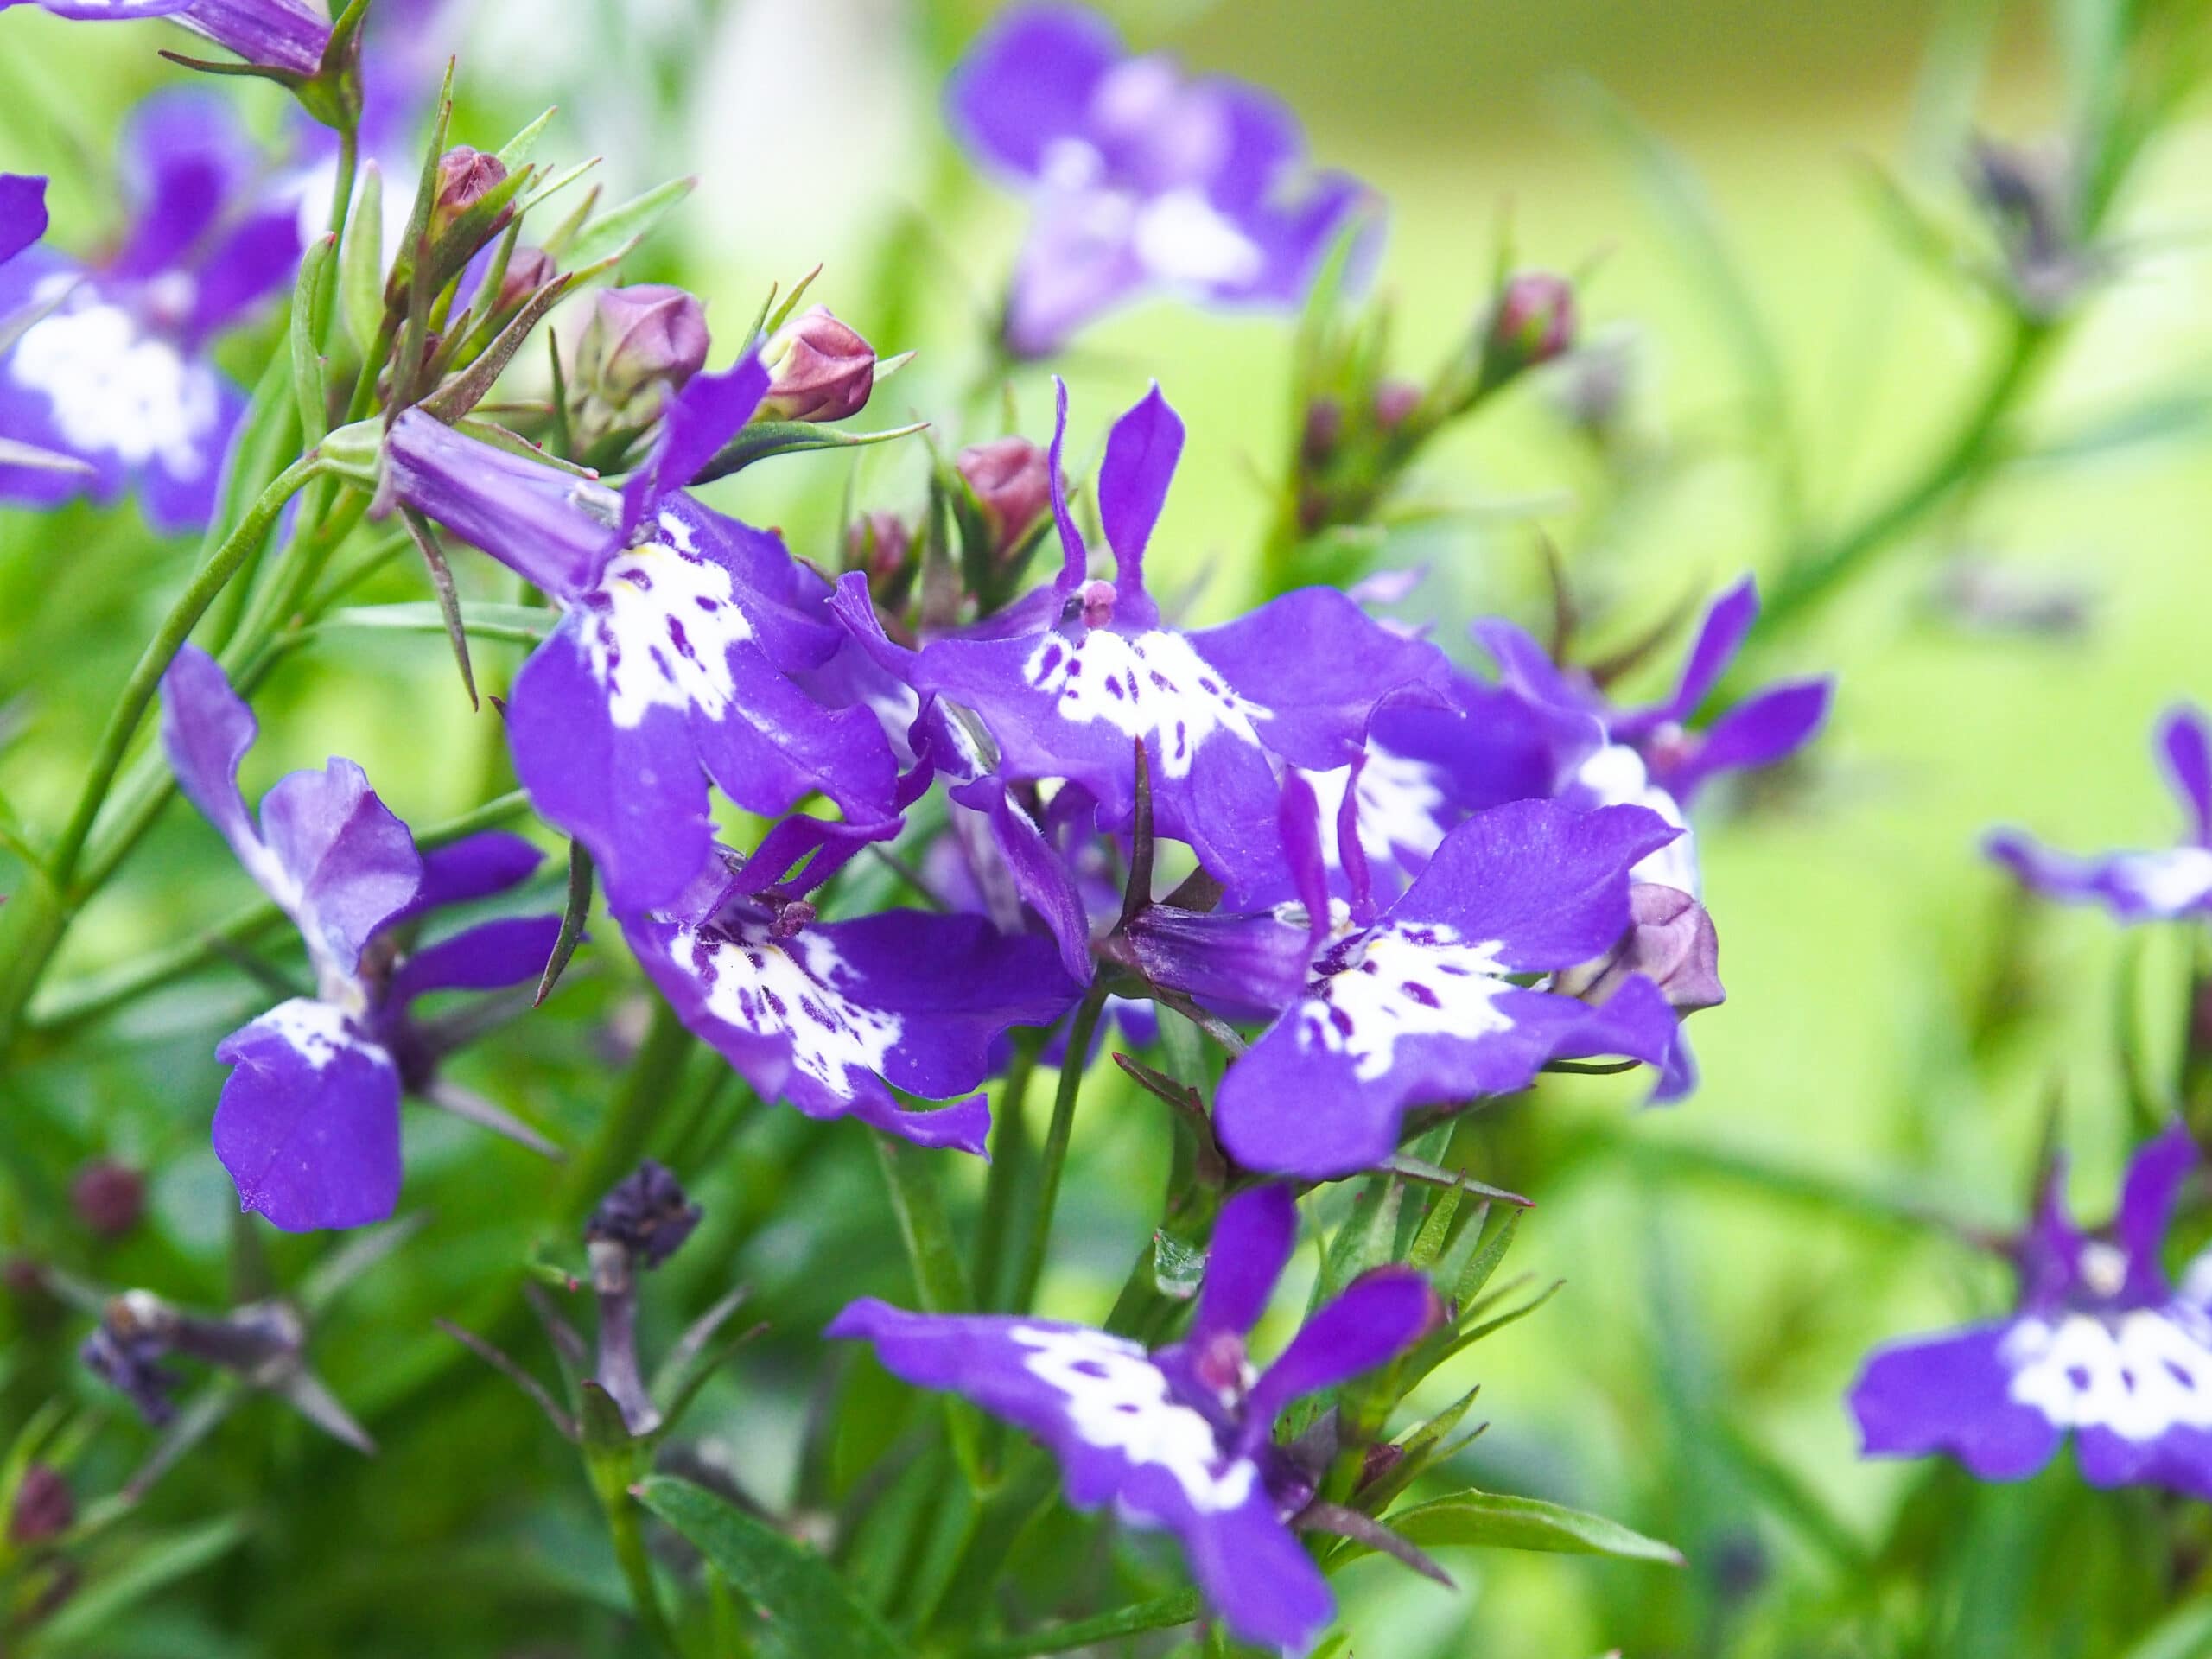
<point x="155" y="1564"/>
<point x="574" y="915"/>
<point x="1495" y="1521"/>
<point x="805" y="1604"/>
<point x="765" y="438"/>
<point x="519" y="149"/>
<point x="309" y="388"/>
<point x="360" y="269"/>
<point x="522" y="625"/>
<point x="1161" y="1613"/>
<point x="623" y="226"/>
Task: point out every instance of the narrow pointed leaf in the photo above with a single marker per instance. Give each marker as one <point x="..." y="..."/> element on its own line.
<point x="574" y="915"/>
<point x="1494" y="1521"/>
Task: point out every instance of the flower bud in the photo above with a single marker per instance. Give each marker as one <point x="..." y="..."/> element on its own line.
<point x="528" y="271"/>
<point x="819" y="370"/>
<point x="877" y="546"/>
<point x="109" y="1197"/>
<point x="645" y="340"/>
<point x="1323" y="431"/>
<point x="1670" y="942"/>
<point x="465" y="176"/>
<point x="647" y="1215"/>
<point x="1395" y="401"/>
<point x="1532" y="322"/>
<point x="1011" y="481"/>
<point x="44" y="1507"/>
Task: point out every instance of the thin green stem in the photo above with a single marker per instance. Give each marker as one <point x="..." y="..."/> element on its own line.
<point x="1010" y="1165"/>
<point x="1055" y="1158"/>
<point x="628" y="1534"/>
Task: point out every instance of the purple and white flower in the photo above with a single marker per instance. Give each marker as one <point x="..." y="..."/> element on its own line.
<point x="674" y="659"/>
<point x="1439" y="998"/>
<point x="1180" y="1436"/>
<point x="1069" y="679"/>
<point x="1140" y="177"/>
<point x="23" y="212"/>
<point x="2101" y="1346"/>
<point x="2147" y="886"/>
<point x="832" y="1016"/>
<point x="1651" y="757"/>
<point x="112" y="365"/>
<point x="308" y="1122"/>
<point x="283" y="34"/>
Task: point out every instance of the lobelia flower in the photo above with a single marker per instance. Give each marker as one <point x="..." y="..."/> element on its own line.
<point x="285" y="35"/>
<point x="1069" y="678"/>
<point x="2137" y="886"/>
<point x="1651" y="757"/>
<point x="2101" y="1345"/>
<point x="831" y="1016"/>
<point x="308" y="1122"/>
<point x="1181" y="1437"/>
<point x="23" y="212"/>
<point x="1437" y="999"/>
<point x="674" y="660"/>
<point x="113" y="369"/>
<point x="1139" y="178"/>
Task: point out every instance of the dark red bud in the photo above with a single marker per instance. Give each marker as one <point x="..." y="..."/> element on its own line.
<point x="820" y="370"/>
<point x="1011" y="480"/>
<point x="465" y="176"/>
<point x="528" y="271"/>
<point x="1323" y="431"/>
<point x="1533" y="322"/>
<point x="44" y="1507"/>
<point x="109" y="1197"/>
<point x="1395" y="400"/>
<point x="641" y="339"/>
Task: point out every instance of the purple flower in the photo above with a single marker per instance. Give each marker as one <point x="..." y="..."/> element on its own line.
<point x="1070" y="678"/>
<point x="112" y="367"/>
<point x="1139" y="177"/>
<point x="285" y="35"/>
<point x="1651" y="757"/>
<point x="1181" y="1437"/>
<point x="1428" y="1003"/>
<point x="2137" y="886"/>
<point x="2101" y="1345"/>
<point x="831" y="1016"/>
<point x="675" y="660"/>
<point x="23" y="212"/>
<point x="308" y="1122"/>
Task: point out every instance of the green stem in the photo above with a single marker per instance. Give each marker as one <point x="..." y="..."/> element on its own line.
<point x="1085" y="1026"/>
<point x="940" y="1273"/>
<point x="651" y="1086"/>
<point x="628" y="1534"/>
<point x="1010" y="1164"/>
<point x="49" y="910"/>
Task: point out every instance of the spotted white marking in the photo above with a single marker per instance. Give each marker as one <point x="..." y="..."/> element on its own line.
<point x="113" y="388"/>
<point x="1119" y="1402"/>
<point x="1401" y="980"/>
<point x="317" y="1032"/>
<point x="2166" y="883"/>
<point x="2138" y="1374"/>
<point x="1616" y="776"/>
<point x="659" y="629"/>
<point x="1154" y="686"/>
<point x="791" y="989"/>
<point x="1400" y="808"/>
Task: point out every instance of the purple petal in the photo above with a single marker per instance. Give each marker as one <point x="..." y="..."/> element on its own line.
<point x="1026" y="83"/>
<point x="1040" y="875"/>
<point x="308" y="1122"/>
<point x="1252" y="1242"/>
<point x="106" y="10"/>
<point x="710" y="408"/>
<point x="1379" y="1316"/>
<point x="2155" y="1176"/>
<point x="206" y="729"/>
<point x="1952" y="1394"/>
<point x="1264" y="144"/>
<point x="1077" y="265"/>
<point x="1719" y="639"/>
<point x="23" y="212"/>
<point x="551" y="529"/>
<point x="2187" y="750"/>
<point x="1758" y="732"/>
<point x="476" y="866"/>
<point x="187" y="162"/>
<point x="257" y="258"/>
<point x="354" y="865"/>
<point x="2134" y="887"/>
<point x="1526" y="667"/>
<point x="1075" y="558"/>
<point x="2179" y="1459"/>
<point x="490" y="956"/>
<point x="285" y="35"/>
<point x="1548" y="884"/>
<point x="1301" y="820"/>
<point x="1142" y="453"/>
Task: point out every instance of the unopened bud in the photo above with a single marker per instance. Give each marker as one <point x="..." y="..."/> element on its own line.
<point x="465" y="176"/>
<point x="1533" y="323"/>
<point x="877" y="546"/>
<point x="43" y="1508"/>
<point x="1670" y="942"/>
<point x="819" y="370"/>
<point x="528" y="271"/>
<point x="109" y="1197"/>
<point x="1323" y="431"/>
<point x="1395" y="401"/>
<point x="1011" y="481"/>
<point x="642" y="339"/>
<point x="646" y="1214"/>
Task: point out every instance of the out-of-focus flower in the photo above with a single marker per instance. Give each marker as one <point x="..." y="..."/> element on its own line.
<point x="2101" y="1345"/>
<point x="1140" y="178"/>
<point x="826" y="1014"/>
<point x="109" y="1197"/>
<point x="647" y="1215"/>
<point x="1532" y="322"/>
<point x="818" y="368"/>
<point x="43" y="1509"/>
<point x="2150" y="886"/>
<point x="284" y="34"/>
<point x="308" y="1120"/>
<point x="23" y="212"/>
<point x="1071" y="677"/>
<point x="112" y="369"/>
<point x="2028" y="197"/>
<point x="674" y="659"/>
<point x="1180" y="1436"/>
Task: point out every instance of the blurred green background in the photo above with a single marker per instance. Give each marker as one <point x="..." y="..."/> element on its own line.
<point x="1727" y="1262"/>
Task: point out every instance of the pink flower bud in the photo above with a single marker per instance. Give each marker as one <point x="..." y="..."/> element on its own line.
<point x="528" y="271"/>
<point x="1533" y="323"/>
<point x="639" y="340"/>
<point x="1011" y="480"/>
<point x="44" y="1507"/>
<point x="820" y="370"/>
<point x="465" y="176"/>
<point x="109" y="1197"/>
